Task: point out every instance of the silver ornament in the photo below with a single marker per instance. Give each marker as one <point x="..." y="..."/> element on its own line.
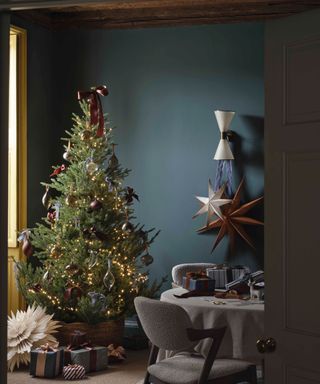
<point x="91" y="167"/>
<point x="46" y="199"/>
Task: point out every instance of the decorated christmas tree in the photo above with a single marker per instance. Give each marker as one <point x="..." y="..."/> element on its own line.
<point x="88" y="257"/>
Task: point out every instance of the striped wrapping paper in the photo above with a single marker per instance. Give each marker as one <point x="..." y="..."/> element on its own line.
<point x="73" y="372"/>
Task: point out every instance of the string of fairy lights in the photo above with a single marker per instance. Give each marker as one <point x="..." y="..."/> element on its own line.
<point x="117" y="251"/>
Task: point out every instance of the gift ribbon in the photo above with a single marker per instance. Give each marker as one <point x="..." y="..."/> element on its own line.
<point x="118" y="352"/>
<point x="197" y="275"/>
<point x="47" y="348"/>
<point x="58" y="170"/>
<point x="58" y="363"/>
<point x="41" y="364"/>
<point x="93" y="98"/>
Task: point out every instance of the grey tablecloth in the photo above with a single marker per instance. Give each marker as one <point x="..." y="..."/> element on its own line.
<point x="244" y="319"/>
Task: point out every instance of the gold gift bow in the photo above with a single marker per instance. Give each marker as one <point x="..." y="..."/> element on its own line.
<point x="48" y="347"/>
<point x="118" y="352"/>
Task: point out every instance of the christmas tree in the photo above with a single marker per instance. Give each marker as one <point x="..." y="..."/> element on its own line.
<point x="89" y="258"/>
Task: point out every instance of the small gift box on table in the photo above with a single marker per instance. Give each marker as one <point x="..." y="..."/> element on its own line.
<point x="91" y="358"/>
<point x="224" y="274"/>
<point x="221" y="274"/>
<point x="239" y="271"/>
<point x="46" y="361"/>
<point x="198" y="281"/>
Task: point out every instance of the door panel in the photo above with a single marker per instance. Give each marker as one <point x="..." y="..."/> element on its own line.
<point x="301" y="87"/>
<point x="292" y="136"/>
<point x="300" y="236"/>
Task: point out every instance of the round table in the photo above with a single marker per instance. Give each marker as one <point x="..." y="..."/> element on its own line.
<point x="244" y="321"/>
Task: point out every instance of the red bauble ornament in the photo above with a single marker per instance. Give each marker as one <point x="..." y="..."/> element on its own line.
<point x="99" y="235"/>
<point x="51" y="216"/>
<point x="27" y="248"/>
<point x="36" y="288"/>
<point x="147" y="259"/>
<point x="127" y="227"/>
<point x="73" y="292"/>
<point x="95" y="205"/>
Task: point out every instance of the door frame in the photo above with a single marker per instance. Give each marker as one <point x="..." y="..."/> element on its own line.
<point x="15" y="300"/>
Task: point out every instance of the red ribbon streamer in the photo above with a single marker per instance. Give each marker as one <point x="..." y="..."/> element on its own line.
<point x="93" y="98"/>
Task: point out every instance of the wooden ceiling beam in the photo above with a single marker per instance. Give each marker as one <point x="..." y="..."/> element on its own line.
<point x="148" y="13"/>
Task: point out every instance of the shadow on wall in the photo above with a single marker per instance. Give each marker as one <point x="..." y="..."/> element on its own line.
<point x="254" y="159"/>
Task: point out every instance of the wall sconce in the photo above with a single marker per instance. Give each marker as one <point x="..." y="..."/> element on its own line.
<point x="223" y="154"/>
<point x="224" y="119"/>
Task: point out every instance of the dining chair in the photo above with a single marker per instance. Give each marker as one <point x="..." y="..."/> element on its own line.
<point x="169" y="327"/>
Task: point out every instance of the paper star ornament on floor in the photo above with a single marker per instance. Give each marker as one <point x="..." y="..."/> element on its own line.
<point x="212" y="203"/>
<point x="233" y="219"/>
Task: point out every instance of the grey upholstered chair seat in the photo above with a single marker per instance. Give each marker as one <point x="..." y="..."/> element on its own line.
<point x="186" y="369"/>
<point x="169" y="327"/>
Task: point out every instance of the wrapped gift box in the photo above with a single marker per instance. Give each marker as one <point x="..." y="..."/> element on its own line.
<point x="239" y="271"/>
<point x="198" y="282"/>
<point x="91" y="358"/>
<point x="77" y="337"/>
<point x="46" y="362"/>
<point x="224" y="274"/>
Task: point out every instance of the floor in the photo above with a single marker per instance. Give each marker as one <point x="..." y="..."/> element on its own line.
<point x="129" y="372"/>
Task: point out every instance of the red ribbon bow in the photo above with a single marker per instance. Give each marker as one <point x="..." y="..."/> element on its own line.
<point x="93" y="98"/>
<point x="58" y="170"/>
<point x="196" y="275"/>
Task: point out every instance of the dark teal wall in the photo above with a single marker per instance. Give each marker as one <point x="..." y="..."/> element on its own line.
<point x="164" y="86"/>
<point x="42" y="135"/>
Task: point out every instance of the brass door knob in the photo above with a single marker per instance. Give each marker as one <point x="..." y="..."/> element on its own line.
<point x="266" y="345"/>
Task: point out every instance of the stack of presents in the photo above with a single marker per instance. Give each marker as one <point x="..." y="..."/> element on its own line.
<point x="74" y="361"/>
<point x="221" y="277"/>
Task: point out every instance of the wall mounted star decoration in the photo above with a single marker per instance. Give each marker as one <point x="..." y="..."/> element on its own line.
<point x="233" y="219"/>
<point x="212" y="203"/>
